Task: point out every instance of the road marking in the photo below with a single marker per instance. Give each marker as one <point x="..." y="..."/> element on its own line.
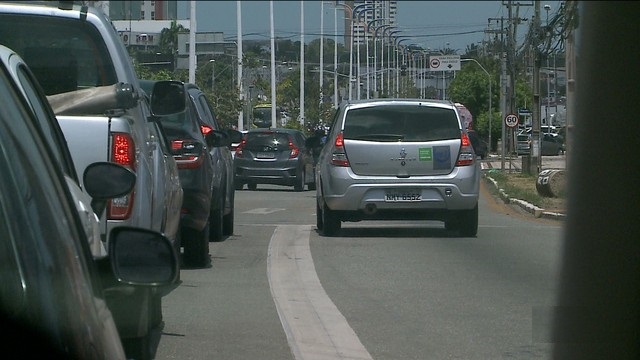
<point x="263" y="211"/>
<point x="314" y="327"/>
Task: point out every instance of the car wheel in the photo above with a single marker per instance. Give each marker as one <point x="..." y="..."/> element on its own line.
<point x="319" y="223"/>
<point x="465" y="222"/>
<point x="216" y="222"/>
<point x="238" y="185"/>
<point x="155" y="311"/>
<point x="252" y="186"/>
<point x="137" y="348"/>
<point x="196" y="246"/>
<point x="331" y="223"/>
<point x="227" y="221"/>
<point x="299" y="184"/>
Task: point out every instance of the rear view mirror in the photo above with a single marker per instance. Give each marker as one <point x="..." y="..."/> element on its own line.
<point x="167" y="98"/>
<point x="142" y="257"/>
<point x="107" y="180"/>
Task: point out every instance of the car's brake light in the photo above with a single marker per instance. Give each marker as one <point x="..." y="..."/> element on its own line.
<point x="239" y="148"/>
<point x="467" y="156"/>
<point x="339" y="156"/>
<point x="187" y="153"/>
<point x="123" y="153"/>
<point x="294" y="150"/>
<point x="205" y="129"/>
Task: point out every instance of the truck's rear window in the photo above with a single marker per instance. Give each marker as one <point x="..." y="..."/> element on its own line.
<point x="63" y="55"/>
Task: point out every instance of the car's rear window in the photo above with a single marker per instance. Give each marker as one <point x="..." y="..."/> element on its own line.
<point x="401" y="123"/>
<point x="272" y="140"/>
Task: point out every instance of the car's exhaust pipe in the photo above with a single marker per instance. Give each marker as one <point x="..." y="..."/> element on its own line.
<point x="370" y="209"/>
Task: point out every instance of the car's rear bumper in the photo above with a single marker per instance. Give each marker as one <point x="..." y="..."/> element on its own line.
<point x="459" y="190"/>
<point x="276" y="176"/>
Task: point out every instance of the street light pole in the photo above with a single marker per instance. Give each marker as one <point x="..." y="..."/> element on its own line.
<point x="490" y="107"/>
<point x="213" y="73"/>
<point x="375" y="56"/>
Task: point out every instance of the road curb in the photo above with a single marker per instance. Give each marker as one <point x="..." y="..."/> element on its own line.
<point x="528" y="207"/>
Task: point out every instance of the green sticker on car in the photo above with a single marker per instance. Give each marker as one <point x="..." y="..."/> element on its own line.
<point x="425" y="154"/>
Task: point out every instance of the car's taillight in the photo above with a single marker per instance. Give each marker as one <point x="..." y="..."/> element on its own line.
<point x="123" y="151"/>
<point x="467" y="156"/>
<point x="204" y="129"/>
<point x="239" y="148"/>
<point x="187" y="153"/>
<point x="294" y="150"/>
<point x="339" y="156"/>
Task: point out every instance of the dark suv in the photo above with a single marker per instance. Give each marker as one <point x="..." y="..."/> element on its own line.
<point x="201" y="150"/>
<point x="274" y="156"/>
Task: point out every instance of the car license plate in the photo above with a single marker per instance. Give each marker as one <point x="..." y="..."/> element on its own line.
<point x="266" y="155"/>
<point x="402" y="197"/>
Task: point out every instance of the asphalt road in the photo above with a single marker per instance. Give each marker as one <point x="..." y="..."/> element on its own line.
<point x="381" y="290"/>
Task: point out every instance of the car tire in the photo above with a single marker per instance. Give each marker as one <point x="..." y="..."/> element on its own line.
<point x="331" y="223"/>
<point x="155" y="311"/>
<point x="299" y="182"/>
<point x="252" y="186"/>
<point x="196" y="246"/>
<point x="464" y="222"/>
<point x="238" y="185"/>
<point x="319" y="223"/>
<point x="228" y="219"/>
<point x="138" y="348"/>
<point x="216" y="222"/>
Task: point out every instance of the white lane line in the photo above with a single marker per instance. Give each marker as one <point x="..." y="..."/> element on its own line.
<point x="263" y="211"/>
<point x="314" y="327"/>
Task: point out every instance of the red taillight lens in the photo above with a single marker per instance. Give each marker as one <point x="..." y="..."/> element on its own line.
<point x="205" y="129"/>
<point x="294" y="150"/>
<point x="123" y="153"/>
<point x="239" y="149"/>
<point x="339" y="156"/>
<point x="187" y="153"/>
<point x="467" y="156"/>
<point x="123" y="150"/>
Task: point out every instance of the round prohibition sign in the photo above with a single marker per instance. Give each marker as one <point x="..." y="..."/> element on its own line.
<point x="435" y="63"/>
<point x="511" y="120"/>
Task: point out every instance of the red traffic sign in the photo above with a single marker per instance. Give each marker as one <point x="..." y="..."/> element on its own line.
<point x="511" y="120"/>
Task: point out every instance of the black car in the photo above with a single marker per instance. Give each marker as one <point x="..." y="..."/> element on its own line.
<point x="51" y="293"/>
<point x="276" y="156"/>
<point x="480" y="147"/>
<point x="204" y="165"/>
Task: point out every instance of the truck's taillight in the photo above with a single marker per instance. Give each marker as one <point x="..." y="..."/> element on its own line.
<point x="188" y="154"/>
<point x="339" y="156"/>
<point x="467" y="156"/>
<point x="123" y="153"/>
<point x="123" y="150"/>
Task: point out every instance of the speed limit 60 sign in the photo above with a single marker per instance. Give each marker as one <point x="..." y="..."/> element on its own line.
<point x="511" y="120"/>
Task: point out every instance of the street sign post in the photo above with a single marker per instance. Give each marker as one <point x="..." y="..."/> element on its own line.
<point x="511" y="120"/>
<point x="444" y="62"/>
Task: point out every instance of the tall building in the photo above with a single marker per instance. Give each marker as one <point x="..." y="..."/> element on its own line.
<point x="139" y="10"/>
<point x="384" y="11"/>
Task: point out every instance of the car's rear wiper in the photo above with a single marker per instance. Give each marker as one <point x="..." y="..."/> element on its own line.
<point x="379" y="137"/>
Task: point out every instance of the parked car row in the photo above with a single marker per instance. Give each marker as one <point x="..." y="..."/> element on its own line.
<point x="201" y="149"/>
<point x="78" y="87"/>
<point x="54" y="263"/>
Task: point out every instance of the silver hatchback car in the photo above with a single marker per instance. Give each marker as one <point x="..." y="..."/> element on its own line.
<point x="398" y="159"/>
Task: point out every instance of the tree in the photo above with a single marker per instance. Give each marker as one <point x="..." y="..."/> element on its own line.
<point x="169" y="38"/>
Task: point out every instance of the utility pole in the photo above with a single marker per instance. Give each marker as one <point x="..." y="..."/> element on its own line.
<point x="535" y="162"/>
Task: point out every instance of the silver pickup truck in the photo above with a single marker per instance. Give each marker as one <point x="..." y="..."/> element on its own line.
<point x="75" y="49"/>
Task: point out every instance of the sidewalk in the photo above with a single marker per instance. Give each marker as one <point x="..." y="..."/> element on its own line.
<point x="515" y="164"/>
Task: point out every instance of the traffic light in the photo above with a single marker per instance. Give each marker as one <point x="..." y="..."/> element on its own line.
<point x="403" y="70"/>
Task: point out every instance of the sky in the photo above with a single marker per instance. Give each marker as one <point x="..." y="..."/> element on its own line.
<point x="431" y="24"/>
